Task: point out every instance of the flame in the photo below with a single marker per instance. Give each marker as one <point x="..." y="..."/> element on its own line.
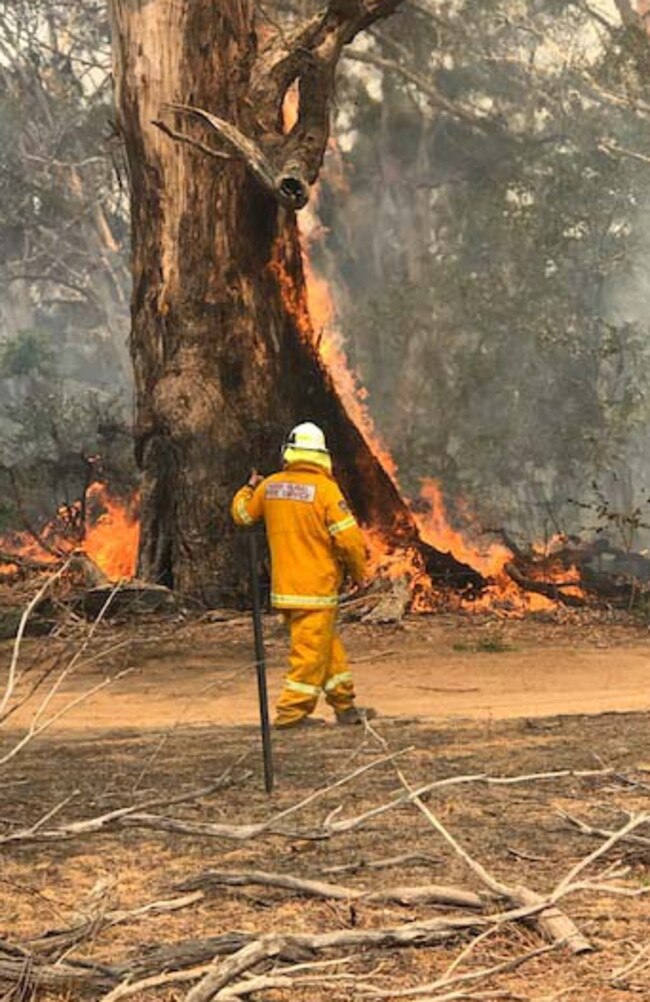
<point x="112" y="540"/>
<point x="109" y="535"/>
<point x="325" y="331"/>
<point x="291" y="108"/>
<point x="435" y="529"/>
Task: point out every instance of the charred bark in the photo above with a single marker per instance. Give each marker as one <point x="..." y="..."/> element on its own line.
<point x="224" y="363"/>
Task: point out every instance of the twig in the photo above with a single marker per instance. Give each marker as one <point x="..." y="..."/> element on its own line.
<point x="11" y="680"/>
<point x="405" y="859"/>
<point x="34" y="731"/>
<point x="635" y="821"/>
<point x="129" y="988"/>
<point x="621" y="972"/>
<point x="20" y="508"/>
<point x="483" y="974"/>
<point x="134" y="817"/>
<point x="37" y="726"/>
<point x="605" y="833"/>
<point x="181" y="137"/>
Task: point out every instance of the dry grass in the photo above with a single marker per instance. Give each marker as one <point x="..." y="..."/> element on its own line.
<point x="513" y="830"/>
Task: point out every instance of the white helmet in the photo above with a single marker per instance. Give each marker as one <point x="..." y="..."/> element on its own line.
<point x="306" y="437"/>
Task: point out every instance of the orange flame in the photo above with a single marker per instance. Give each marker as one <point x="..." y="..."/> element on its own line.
<point x="112" y="540"/>
<point x="110" y="536"/>
<point x="324" y="328"/>
<point x="436" y="530"/>
<point x="291" y="108"/>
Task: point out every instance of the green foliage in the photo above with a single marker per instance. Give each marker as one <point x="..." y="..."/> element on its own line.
<point x="27" y="354"/>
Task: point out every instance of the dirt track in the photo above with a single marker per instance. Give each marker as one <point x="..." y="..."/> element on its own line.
<point x="429" y="669"/>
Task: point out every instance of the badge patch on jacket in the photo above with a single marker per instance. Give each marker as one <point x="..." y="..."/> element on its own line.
<point x="283" y="490"/>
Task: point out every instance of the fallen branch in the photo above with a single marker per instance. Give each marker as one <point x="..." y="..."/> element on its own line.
<point x="427" y="894"/>
<point x="483" y="974"/>
<point x="435" y="930"/>
<point x="246" y="987"/>
<point x="57" y="942"/>
<point x="554" y="925"/>
<point x="333" y="826"/>
<point x="135" y="817"/>
<point x="552" y="591"/>
<point x="85" y="976"/>
<point x="604" y="833"/>
<point x="405" y="859"/>
<point x="635" y="821"/>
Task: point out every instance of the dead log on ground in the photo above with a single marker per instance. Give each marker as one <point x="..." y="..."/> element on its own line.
<point x="134" y="597"/>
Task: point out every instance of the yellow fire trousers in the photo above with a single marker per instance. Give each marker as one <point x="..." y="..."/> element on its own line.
<point x="318" y="664"/>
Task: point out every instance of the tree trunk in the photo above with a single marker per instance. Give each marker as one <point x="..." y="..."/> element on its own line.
<point x="223" y="361"/>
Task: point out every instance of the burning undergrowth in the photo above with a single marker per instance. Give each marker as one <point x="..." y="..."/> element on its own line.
<point x="103" y="527"/>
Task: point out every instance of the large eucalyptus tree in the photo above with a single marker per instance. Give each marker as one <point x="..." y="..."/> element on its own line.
<point x="221" y="341"/>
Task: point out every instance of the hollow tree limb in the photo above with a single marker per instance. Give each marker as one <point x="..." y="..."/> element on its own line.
<point x="308" y="55"/>
<point x="287" y="184"/>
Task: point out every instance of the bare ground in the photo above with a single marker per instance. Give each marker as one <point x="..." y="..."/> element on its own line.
<point x="469" y="696"/>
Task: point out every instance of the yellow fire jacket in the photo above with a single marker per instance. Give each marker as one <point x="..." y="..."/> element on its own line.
<point x="313" y="536"/>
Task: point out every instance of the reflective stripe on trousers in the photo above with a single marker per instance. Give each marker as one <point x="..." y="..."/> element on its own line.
<point x="303" y="687"/>
<point x="318" y="664"/>
<point x="336" y="680"/>
<point x="300" y="603"/>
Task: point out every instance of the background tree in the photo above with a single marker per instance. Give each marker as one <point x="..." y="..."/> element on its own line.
<point x="65" y="371"/>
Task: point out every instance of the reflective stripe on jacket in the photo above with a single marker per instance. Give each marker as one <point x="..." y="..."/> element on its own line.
<point x="313" y="536"/>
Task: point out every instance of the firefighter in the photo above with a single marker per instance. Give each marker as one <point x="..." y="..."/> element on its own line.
<point x="314" y="541"/>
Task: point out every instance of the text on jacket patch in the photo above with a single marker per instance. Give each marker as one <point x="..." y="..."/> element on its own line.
<point x="282" y="490"/>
